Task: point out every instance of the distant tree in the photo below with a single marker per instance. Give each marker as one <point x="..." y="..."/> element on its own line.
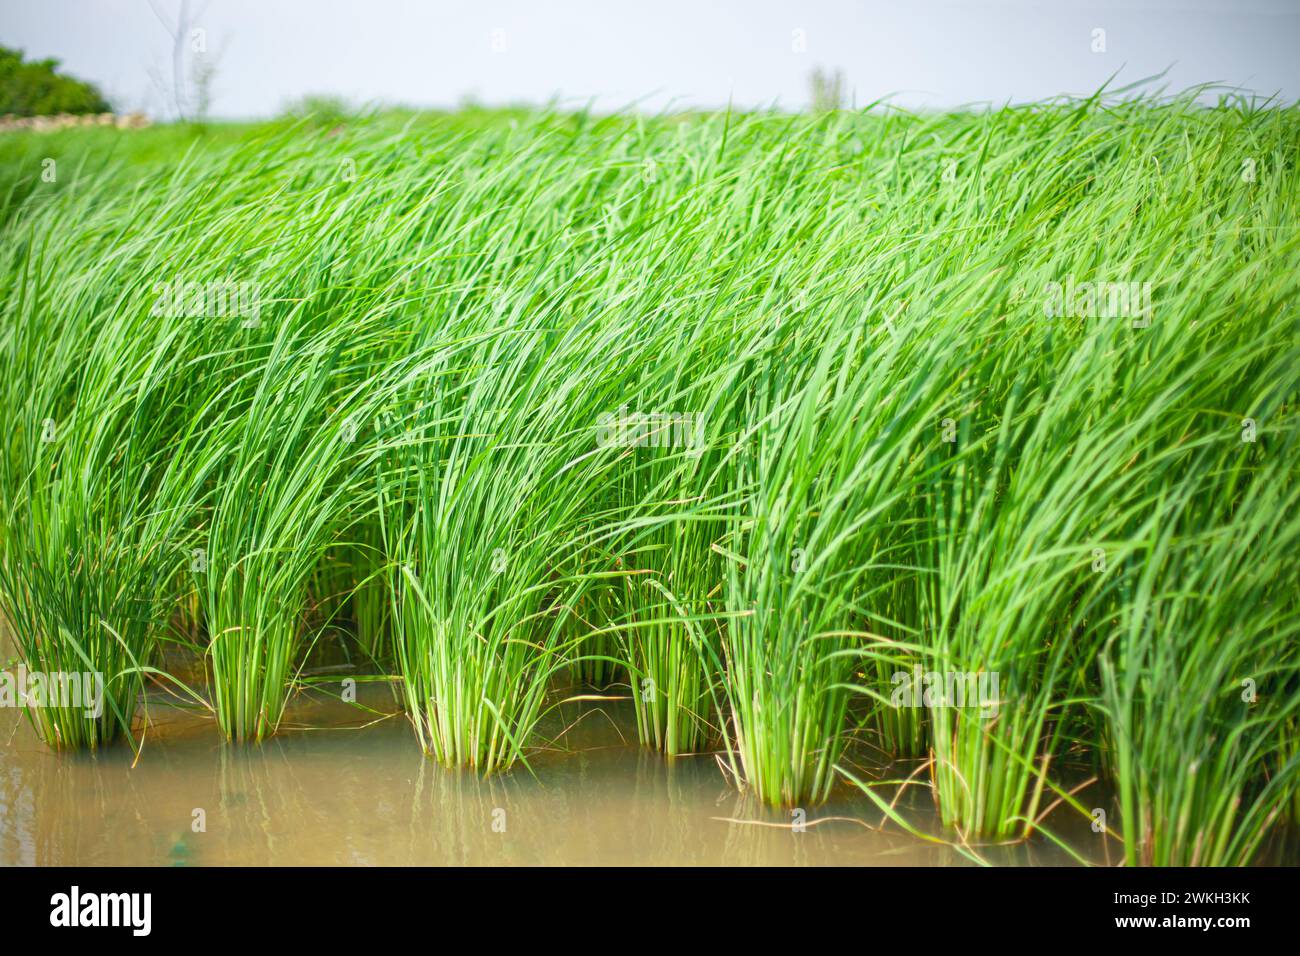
<point x="190" y="95"/>
<point x="321" y="109"/>
<point x="34" y="88"/>
<point x="827" y="90"/>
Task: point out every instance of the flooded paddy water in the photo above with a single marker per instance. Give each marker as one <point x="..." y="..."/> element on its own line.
<point x="340" y="786"/>
<point x="348" y="796"/>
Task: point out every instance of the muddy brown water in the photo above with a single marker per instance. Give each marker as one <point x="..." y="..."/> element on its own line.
<point x="328" y="791"/>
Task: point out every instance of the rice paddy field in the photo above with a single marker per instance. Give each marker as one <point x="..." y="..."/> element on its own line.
<point x="921" y="487"/>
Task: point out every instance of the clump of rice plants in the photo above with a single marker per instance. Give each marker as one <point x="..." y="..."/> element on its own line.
<point x="768" y="417"/>
<point x="1198" y="678"/>
<point x="84" y="603"/>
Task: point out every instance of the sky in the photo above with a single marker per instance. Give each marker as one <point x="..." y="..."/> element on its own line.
<point x="264" y="54"/>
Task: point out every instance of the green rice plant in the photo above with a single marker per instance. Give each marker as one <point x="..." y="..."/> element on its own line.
<point x="1288" y="749"/>
<point x="479" y="535"/>
<point x="83" y="602"/>
<point x="86" y="559"/>
<point x="363" y="574"/>
<point x="663" y="611"/>
<point x="1198" y="680"/>
<point x="671" y="644"/>
<point x="826" y="481"/>
<point x="962" y="392"/>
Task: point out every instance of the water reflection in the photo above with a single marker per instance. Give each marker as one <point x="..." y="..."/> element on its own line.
<point x="340" y="795"/>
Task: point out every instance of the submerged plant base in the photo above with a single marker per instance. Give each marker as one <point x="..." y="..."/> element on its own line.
<point x="293" y="801"/>
<point x="252" y="667"/>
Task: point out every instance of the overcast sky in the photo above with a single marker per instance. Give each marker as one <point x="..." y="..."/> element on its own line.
<point x="659" y="52"/>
